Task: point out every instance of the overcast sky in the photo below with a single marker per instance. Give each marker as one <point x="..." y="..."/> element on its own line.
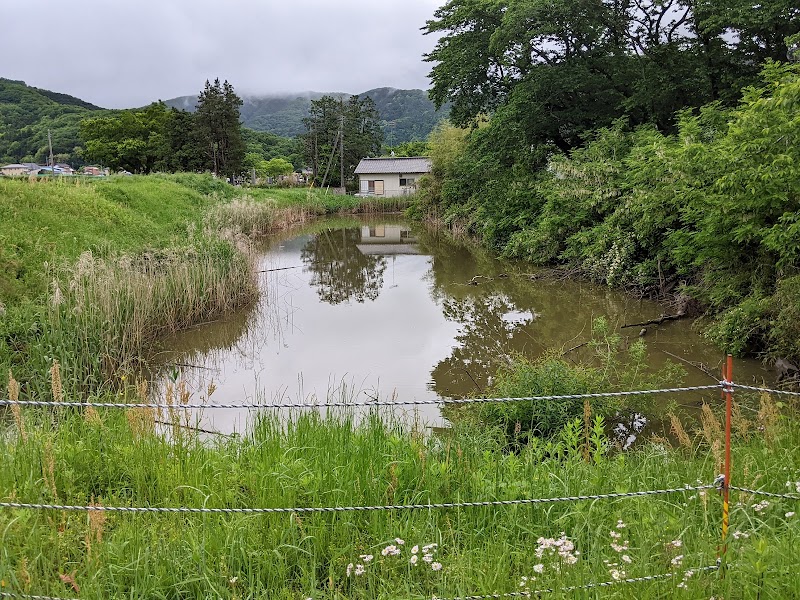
<point x="127" y="54"/>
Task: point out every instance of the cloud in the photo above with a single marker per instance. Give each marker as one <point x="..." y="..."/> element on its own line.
<point x="129" y="54"/>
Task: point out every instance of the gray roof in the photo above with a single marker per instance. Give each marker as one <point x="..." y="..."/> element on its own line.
<point x="411" y="164"/>
<point x="14" y="166"/>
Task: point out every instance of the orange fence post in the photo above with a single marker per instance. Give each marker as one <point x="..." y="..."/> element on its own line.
<point x="727" y="375"/>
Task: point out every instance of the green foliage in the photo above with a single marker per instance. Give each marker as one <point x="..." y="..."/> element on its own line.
<point x="784" y="333"/>
<point x="135" y="141"/>
<point x="745" y="326"/>
<point x="616" y="369"/>
<point x="410" y="149"/>
<point x="218" y="130"/>
<point x="712" y="209"/>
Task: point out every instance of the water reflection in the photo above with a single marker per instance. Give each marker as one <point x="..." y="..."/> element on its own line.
<point x="377" y="309"/>
<point x="491" y="327"/>
<point x="340" y="271"/>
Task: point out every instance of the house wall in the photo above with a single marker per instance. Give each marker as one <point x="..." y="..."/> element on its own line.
<point x="14" y="172"/>
<point x="391" y="183"/>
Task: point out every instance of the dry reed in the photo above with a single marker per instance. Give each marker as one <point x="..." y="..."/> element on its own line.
<point x="49" y="469"/>
<point x="768" y="417"/>
<point x="13" y="395"/>
<point x="676" y="427"/>
<point x="117" y="308"/>
<point x="97" y="521"/>
<point x="55" y="382"/>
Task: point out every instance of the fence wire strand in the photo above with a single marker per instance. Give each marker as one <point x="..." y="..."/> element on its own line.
<point x="761" y="389"/>
<point x="763" y="493"/>
<point x="333" y="509"/>
<point x="341" y="404"/>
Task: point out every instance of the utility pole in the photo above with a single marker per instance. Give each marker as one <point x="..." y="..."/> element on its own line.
<point x="341" y="157"/>
<point x="52" y="159"/>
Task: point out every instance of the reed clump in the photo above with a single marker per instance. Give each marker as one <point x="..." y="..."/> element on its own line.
<point x="252" y="217"/>
<point x="114" y="309"/>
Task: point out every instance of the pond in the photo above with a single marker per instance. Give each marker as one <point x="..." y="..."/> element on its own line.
<point x="376" y="308"/>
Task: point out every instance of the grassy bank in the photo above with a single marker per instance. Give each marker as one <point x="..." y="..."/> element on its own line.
<point x="119" y="458"/>
<point x="94" y="274"/>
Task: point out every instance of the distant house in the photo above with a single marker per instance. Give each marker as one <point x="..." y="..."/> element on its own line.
<point x="14" y="170"/>
<point x="92" y="170"/>
<point x="65" y="169"/>
<point x="394" y="176"/>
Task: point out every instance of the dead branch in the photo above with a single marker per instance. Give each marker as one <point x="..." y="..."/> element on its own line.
<point x="658" y="321"/>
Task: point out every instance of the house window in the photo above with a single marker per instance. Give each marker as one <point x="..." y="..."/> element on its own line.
<point x="406" y="181"/>
<point x="375" y="187"/>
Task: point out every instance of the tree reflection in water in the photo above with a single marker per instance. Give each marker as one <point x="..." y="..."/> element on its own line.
<point x="491" y="327"/>
<point x="340" y="272"/>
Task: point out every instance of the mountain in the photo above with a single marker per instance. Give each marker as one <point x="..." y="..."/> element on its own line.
<point x="26" y="114"/>
<point x="406" y="115"/>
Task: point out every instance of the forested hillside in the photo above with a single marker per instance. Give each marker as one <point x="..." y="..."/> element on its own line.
<point x="651" y="146"/>
<point x="26" y="113"/>
<point x="406" y="115"/>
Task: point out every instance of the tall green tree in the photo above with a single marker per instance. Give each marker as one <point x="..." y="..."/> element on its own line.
<point x="340" y="133"/>
<point x="561" y="70"/>
<point x="218" y="128"/>
<point x="134" y="140"/>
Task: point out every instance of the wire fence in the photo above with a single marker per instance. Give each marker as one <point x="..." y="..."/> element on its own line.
<point x="343" y="404"/>
<point x="722" y="482"/>
<point x="333" y="509"/>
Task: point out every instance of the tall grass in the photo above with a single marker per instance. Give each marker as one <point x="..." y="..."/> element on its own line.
<point x="113" y="310"/>
<point x="121" y="458"/>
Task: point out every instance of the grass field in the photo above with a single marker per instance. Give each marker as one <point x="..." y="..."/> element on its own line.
<point x="121" y="458"/>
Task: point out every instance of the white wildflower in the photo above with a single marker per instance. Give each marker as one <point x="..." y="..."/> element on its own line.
<point x="366" y="557"/>
<point x="430" y="548"/>
<point x="538" y="568"/>
<point x="428" y="558"/>
<point x="789" y="514"/>
<point x="761" y="506"/>
<point x="415" y="549"/>
<point x="740" y="534"/>
<point x="349" y="569"/>
<point x="360" y="570"/>
<point x="617" y="574"/>
<point x="626" y="558"/>
<point x="391" y="550"/>
<point x="676" y="562"/>
<point x="399" y="541"/>
<point x="620" y="524"/>
<point x="413" y="559"/>
<point x="436" y="566"/>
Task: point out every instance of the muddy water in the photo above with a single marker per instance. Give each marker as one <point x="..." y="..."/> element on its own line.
<point x="369" y="309"/>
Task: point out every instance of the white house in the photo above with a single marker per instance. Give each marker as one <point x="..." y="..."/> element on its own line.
<point x="394" y="176"/>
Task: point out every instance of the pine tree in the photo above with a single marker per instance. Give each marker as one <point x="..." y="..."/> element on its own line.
<point x="218" y="128"/>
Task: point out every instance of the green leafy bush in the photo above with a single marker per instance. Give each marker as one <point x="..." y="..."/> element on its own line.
<point x="614" y="368"/>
